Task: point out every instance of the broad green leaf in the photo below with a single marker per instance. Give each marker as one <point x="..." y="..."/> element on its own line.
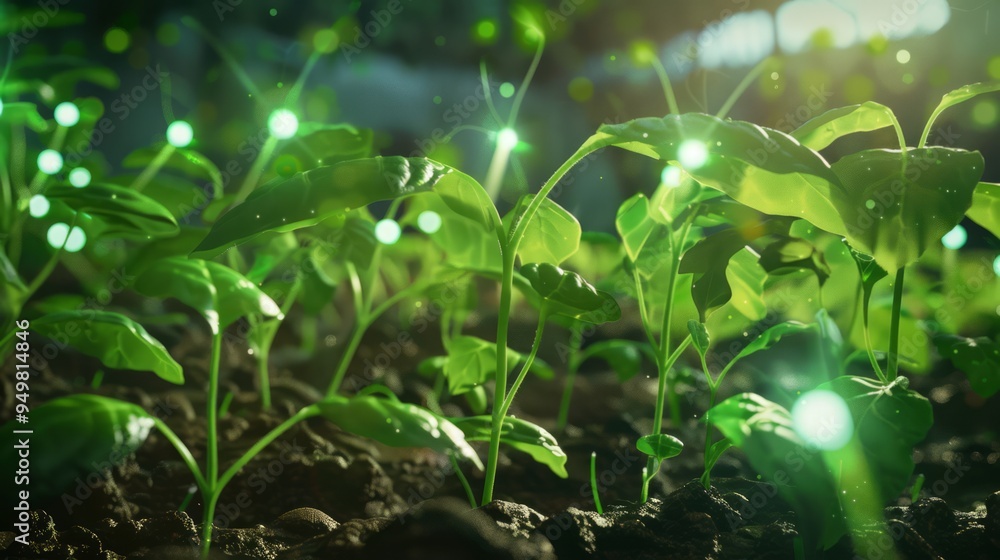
<point x="220" y="294"/>
<point x="552" y="235"/>
<point x="314" y="196"/>
<point x="985" y="209"/>
<point x="699" y="336"/>
<point x="566" y="293"/>
<point x="660" y="446"/>
<point x="889" y="420"/>
<point x="116" y="340"/>
<point x="472" y="361"/>
<point x="24" y="114"/>
<point x="772" y="336"/>
<point x="465" y="243"/>
<point x="180" y="196"/>
<point x="522" y="436"/>
<point x="75" y="436"/>
<point x="353" y="242"/>
<point x="121" y="210"/>
<point x="635" y="225"/>
<point x="977" y="358"/>
<point x="624" y="356"/>
<point x="315" y="145"/>
<point x="270" y="255"/>
<point x="739" y="280"/>
<point x="396" y="424"/>
<point x="791" y="254"/>
<point x="762" y="168"/>
<point x="670" y="201"/>
<point x="763" y="430"/>
<point x="821" y="131"/>
<point x="960" y="95"/>
<point x="895" y="213"/>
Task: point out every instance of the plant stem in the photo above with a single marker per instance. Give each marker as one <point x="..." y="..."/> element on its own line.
<point x="184" y="452"/>
<point x="869" y="348"/>
<point x="207" y="515"/>
<point x="50" y="265"/>
<point x="212" y="452"/>
<point x="668" y="88"/>
<point x="743" y="85"/>
<point x="250" y="182"/>
<point x="465" y="482"/>
<point x="499" y="396"/>
<point x="153" y="168"/>
<point x="713" y="388"/>
<point x="593" y="483"/>
<point x="264" y="376"/>
<point x="892" y="368"/>
<point x="509" y="399"/>
<point x="345" y="359"/>
<point x="652" y="465"/>
<point x="576" y="340"/>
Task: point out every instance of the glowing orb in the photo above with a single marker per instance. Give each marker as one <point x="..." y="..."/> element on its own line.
<point x="67" y="114"/>
<point x="823" y="420"/>
<point x="387" y="231"/>
<point x="38" y="206"/>
<point x="179" y="134"/>
<point x="507" y="139"/>
<point x="429" y="221"/>
<point x="956" y="238"/>
<point x="50" y="162"/>
<point x="79" y="177"/>
<point x="60" y="233"/>
<point x="283" y="124"/>
<point x="692" y="154"/>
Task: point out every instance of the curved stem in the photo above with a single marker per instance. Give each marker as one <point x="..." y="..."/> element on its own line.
<point x="153" y="168"/>
<point x="519" y="96"/>
<point x="211" y="412"/>
<point x="668" y="88"/>
<point x="488" y="93"/>
<point x="868" y="342"/>
<point x="184" y="452"/>
<point x="742" y="87"/>
<point x="207" y="515"/>
<point x="528" y="362"/>
<point x="50" y="265"/>
<point x="465" y="482"/>
<point x="256" y="170"/>
<point x="345" y="359"/>
<point x="892" y="368"/>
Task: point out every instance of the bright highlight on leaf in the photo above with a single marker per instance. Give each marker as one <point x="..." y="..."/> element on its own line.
<point x="60" y="233"/>
<point x="956" y="238"/>
<point x="180" y="134"/>
<point x="50" y="162"/>
<point x="823" y="420"/>
<point x="38" y="206"/>
<point x="506" y="139"/>
<point x="67" y="114"/>
<point x="79" y="177"/>
<point x="387" y="231"/>
<point x="692" y="154"/>
<point x="429" y="221"/>
<point x="671" y="176"/>
<point x="283" y="124"/>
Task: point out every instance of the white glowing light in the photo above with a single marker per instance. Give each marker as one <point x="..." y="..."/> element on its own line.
<point x="903" y="56"/>
<point x="692" y="154"/>
<point x="996" y="265"/>
<point x="671" y="176"/>
<point x="38" y="206"/>
<point x="801" y="22"/>
<point x="506" y="139"/>
<point x="50" y="162"/>
<point x="283" y="124"/>
<point x="60" y="233"/>
<point x="742" y="39"/>
<point x="387" y="231"/>
<point x="79" y="177"/>
<point x="67" y="114"/>
<point x="823" y="420"/>
<point x="1" y="106"/>
<point x="179" y="134"/>
<point x="429" y="221"/>
<point x="956" y="238"/>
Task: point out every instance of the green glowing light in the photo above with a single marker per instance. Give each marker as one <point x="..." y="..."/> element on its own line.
<point x="692" y="154"/>
<point x="823" y="420"/>
<point x="486" y="30"/>
<point x="671" y="176"/>
<point x="79" y="177"/>
<point x="985" y="112"/>
<point x="283" y="124"/>
<point x="956" y="238"/>
<point x="507" y="90"/>
<point x="60" y="233"/>
<point x="67" y="114"/>
<point x="326" y="40"/>
<point x="993" y="67"/>
<point x="902" y="56"/>
<point x="507" y="139"/>
<point x="273" y="12"/>
<point x="38" y="206"/>
<point x="429" y="221"/>
<point x="180" y="134"/>
<point x="116" y="40"/>
<point x="50" y="162"/>
<point x="437" y="99"/>
<point x="387" y="231"/>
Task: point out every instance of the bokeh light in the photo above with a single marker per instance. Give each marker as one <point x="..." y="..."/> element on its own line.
<point x="506" y="139"/>
<point x="50" y="162"/>
<point x="996" y="265"/>
<point x="823" y="420"/>
<point x="692" y="154"/>
<point x="79" y="177"/>
<point x="387" y="231"/>
<point x="1" y="106"/>
<point x="956" y="238"/>
<point x="485" y="31"/>
<point x="902" y="56"/>
<point x="38" y="206"/>
<point x="984" y="112"/>
<point x="429" y="221"/>
<point x="116" y="40"/>
<point x="179" y="134"/>
<point x="60" y="233"/>
<point x="507" y="90"/>
<point x="671" y="176"/>
<point x="283" y="124"/>
<point x="67" y="114"/>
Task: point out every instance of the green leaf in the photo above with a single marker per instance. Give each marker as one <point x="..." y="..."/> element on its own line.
<point x="465" y="243"/>
<point x="552" y="235"/>
<point x="985" y="209"/>
<point x="624" y="356"/>
<point x="763" y="431"/>
<point x="397" y="424"/>
<point x="772" y="336"/>
<point x="635" y="225"/>
<point x="220" y="294"/>
<point x="660" y="446"/>
<point x="24" y="114"/>
<point x="566" y="293"/>
<point x="712" y="456"/>
<point x="895" y="213"/>
<point x="75" y="436"/>
<point x="820" y="132"/>
<point x="520" y="435"/>
<point x="870" y="272"/>
<point x="472" y="361"/>
<point x="699" y="336"/>
<point x="320" y="144"/>
<point x="116" y="340"/>
<point x="960" y="95"/>
<point x="977" y="358"/>
<point x="183" y="160"/>
<point x="121" y="210"/>
<point x="889" y="420"/>
<point x="763" y="168"/>
<point x="314" y="196"/>
<point x="740" y="280"/>
<point x="791" y="254"/>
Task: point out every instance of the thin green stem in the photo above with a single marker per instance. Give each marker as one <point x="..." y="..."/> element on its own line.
<point x="184" y="452"/>
<point x="465" y="482"/>
<point x="304" y="414"/>
<point x="50" y="265"/>
<point x="528" y="362"/>
<point x="575" y="360"/>
<point x="153" y="168"/>
<point x="869" y="348"/>
<point x="742" y="87"/>
<point x="211" y="408"/>
<point x="207" y="515"/>
<point x="892" y="368"/>
<point x="256" y="170"/>
<point x="668" y="88"/>
<point x="360" y="326"/>
<point x="503" y="320"/>
<point x="264" y="377"/>
<point x="652" y="465"/>
<point x="593" y="483"/>
<point x="713" y="388"/>
<point x="488" y="93"/>
<point x="519" y="96"/>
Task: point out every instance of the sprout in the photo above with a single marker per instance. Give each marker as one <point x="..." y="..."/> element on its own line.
<point x="282" y="124"/>
<point x="179" y="134"/>
<point x="67" y="114"/>
<point x="50" y="162"/>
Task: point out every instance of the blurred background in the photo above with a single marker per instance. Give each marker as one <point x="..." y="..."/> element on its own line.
<point x="411" y="71"/>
